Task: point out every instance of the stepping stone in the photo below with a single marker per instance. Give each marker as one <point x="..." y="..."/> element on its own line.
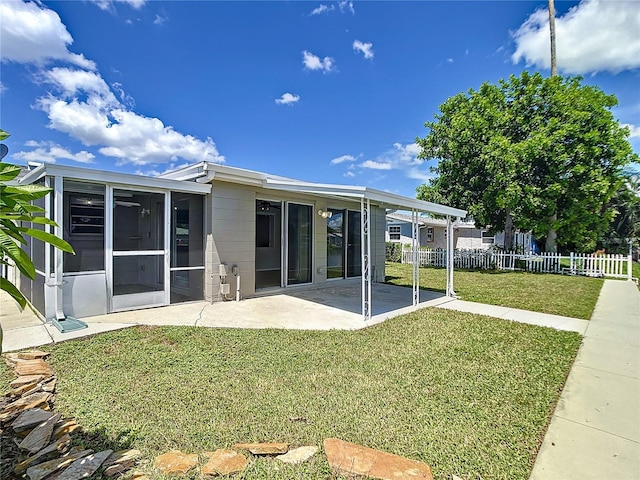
<point x="298" y="455"/>
<point x="263" y="448"/>
<point x="33" y="367"/>
<point x="42" y="470"/>
<point x="120" y="462"/>
<point x="85" y="467"/>
<point x="176" y="462"/>
<point x="50" y="385"/>
<point x="39" y="436"/>
<point x="26" y="379"/>
<point x="224" y="462"/>
<point x="31" y="417"/>
<point x="354" y="459"/>
<point x="58" y="445"/>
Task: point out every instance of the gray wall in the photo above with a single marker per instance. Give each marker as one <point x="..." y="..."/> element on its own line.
<point x="231" y="234"/>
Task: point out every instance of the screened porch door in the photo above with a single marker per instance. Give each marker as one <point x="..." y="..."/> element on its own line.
<point x="139" y="268"/>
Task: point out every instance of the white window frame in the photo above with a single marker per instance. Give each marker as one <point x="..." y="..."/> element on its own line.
<point x="395" y="233"/>
<point x="429" y="234"/>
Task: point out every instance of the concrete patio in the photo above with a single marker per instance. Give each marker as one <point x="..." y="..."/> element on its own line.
<point x="326" y="308"/>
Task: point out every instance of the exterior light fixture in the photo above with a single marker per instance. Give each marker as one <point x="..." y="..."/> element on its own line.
<point x="325" y="214"/>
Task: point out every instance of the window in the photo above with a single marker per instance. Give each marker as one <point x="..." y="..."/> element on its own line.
<point x="429" y="234"/>
<point x="487" y="238"/>
<point x="394" y="233"/>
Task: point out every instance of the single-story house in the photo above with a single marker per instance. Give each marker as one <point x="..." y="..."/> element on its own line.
<point x="433" y="233"/>
<point x="204" y="232"/>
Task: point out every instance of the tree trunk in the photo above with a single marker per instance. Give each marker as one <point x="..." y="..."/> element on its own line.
<point x="551" y="245"/>
<point x="509" y="230"/>
<point x="552" y="32"/>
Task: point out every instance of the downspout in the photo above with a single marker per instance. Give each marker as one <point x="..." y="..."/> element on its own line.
<point x="206" y="175"/>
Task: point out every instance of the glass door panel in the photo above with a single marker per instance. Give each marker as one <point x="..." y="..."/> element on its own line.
<point x="335" y="244"/>
<point x="138" y="273"/>
<point x="268" y="244"/>
<point x="299" y="238"/>
<point x="354" y="244"/>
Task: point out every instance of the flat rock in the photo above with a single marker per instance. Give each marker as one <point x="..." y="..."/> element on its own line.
<point x="42" y="470"/>
<point x="85" y="467"/>
<point x="224" y="462"/>
<point x="33" y="367"/>
<point x="39" y="436"/>
<point x="26" y="379"/>
<point x="120" y="462"/>
<point x="58" y="445"/>
<point x="50" y="385"/>
<point x="31" y="417"/>
<point x="23" y="389"/>
<point x="176" y="462"/>
<point x="298" y="455"/>
<point x="263" y="448"/>
<point x="33" y="354"/>
<point x="27" y="402"/>
<point x="139" y="476"/>
<point x="354" y="459"/>
<point x="65" y="428"/>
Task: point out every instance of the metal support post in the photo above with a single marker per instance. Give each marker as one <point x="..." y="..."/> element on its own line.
<point x="415" y="259"/>
<point x="365" y="242"/>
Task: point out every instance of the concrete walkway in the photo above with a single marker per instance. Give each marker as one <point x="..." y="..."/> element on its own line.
<point x="595" y="430"/>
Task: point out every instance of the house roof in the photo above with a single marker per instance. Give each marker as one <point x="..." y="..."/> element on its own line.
<point x="123" y="179"/>
<point x="207" y="172"/>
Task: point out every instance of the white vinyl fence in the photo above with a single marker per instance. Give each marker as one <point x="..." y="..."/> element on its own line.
<point x="617" y="266"/>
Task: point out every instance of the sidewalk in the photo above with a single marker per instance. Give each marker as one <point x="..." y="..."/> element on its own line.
<point x="595" y="430"/>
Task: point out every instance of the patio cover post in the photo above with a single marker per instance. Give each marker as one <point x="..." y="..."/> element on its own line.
<point x="58" y="214"/>
<point x="450" y="291"/>
<point x="415" y="260"/>
<point x="365" y="242"/>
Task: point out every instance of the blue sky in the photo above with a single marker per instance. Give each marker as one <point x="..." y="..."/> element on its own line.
<point x="331" y="92"/>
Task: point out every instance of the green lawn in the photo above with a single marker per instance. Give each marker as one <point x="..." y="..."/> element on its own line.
<point x="570" y="296"/>
<point x="467" y="394"/>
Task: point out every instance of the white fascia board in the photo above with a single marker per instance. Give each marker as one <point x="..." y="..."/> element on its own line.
<point x="185" y="173"/>
<point x="384" y="199"/>
<point x="400" y="202"/>
<point x="123" y="179"/>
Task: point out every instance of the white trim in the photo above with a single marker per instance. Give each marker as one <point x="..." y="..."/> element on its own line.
<point x="118" y="180"/>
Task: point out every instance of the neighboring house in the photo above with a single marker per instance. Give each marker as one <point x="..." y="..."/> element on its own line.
<point x="202" y="232"/>
<point x="433" y="233"/>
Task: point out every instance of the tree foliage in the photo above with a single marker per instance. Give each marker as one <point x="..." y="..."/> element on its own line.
<point x="16" y="210"/>
<point x="525" y="149"/>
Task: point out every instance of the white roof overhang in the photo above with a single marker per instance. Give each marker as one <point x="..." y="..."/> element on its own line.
<point x="113" y="178"/>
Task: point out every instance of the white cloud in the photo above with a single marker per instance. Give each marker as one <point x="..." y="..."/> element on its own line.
<point x="365" y="48"/>
<point x="449" y="60"/>
<point x="342" y="159"/>
<point x="347" y="6"/>
<point x="372" y="164"/>
<point x="50" y="152"/>
<point x="322" y="9"/>
<point x="87" y="110"/>
<point x="107" y="5"/>
<point x="159" y="20"/>
<point x="595" y="35"/>
<point x="349" y="174"/>
<point x="633" y="129"/>
<point x="3" y="88"/>
<point x="313" y="62"/>
<point x="288" y="99"/>
<point x="30" y="33"/>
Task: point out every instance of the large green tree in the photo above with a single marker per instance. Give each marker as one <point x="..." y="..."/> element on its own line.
<point x="532" y="153"/>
